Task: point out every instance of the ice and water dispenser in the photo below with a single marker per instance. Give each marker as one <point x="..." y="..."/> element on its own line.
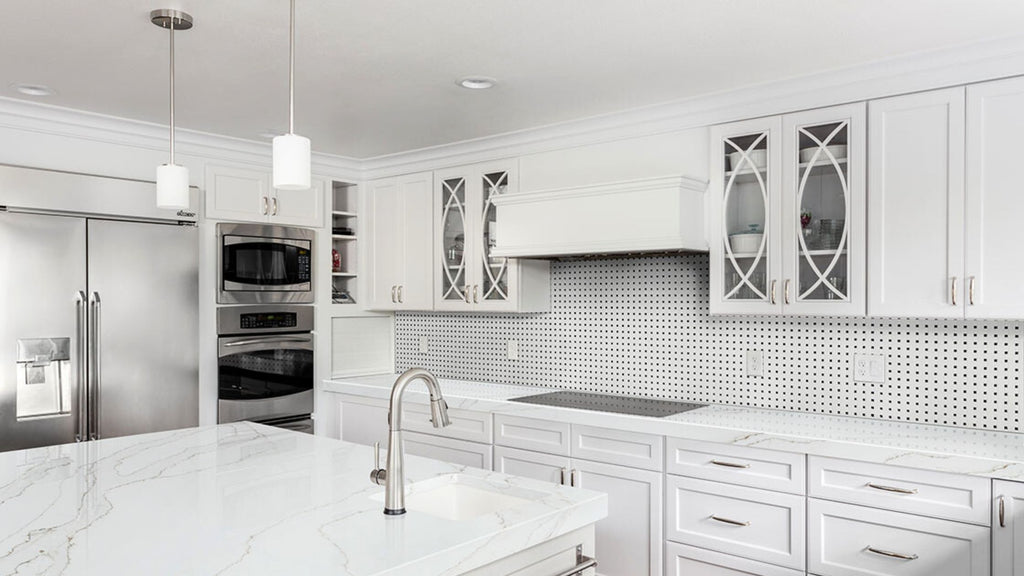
<point x="44" y="377"/>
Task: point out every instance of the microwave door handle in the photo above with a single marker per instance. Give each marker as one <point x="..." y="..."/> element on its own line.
<point x="267" y="341"/>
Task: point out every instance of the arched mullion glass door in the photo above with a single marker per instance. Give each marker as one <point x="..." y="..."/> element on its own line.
<point x="745" y="218"/>
<point x="453" y="239"/>
<point x="823" y="198"/>
<point x="494" y="271"/>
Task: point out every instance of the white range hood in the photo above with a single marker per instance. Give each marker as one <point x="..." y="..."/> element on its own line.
<point x="662" y="214"/>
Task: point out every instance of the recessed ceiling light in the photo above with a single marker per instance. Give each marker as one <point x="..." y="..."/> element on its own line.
<point x="33" y="89"/>
<point x="477" y="82"/>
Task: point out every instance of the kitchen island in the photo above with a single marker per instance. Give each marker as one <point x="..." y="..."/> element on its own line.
<point x="249" y="499"/>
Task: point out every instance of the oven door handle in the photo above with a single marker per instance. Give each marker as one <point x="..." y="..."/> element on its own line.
<point x="273" y="340"/>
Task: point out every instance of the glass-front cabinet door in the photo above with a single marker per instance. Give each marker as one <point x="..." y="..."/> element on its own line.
<point x="824" y="209"/>
<point x="466" y="221"/>
<point x="744" y="234"/>
<point x="452" y="261"/>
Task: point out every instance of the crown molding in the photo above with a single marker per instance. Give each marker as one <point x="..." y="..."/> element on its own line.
<point x="59" y="121"/>
<point x="898" y="75"/>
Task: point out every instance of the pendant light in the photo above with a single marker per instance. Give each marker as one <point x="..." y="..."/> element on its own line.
<point x="171" y="179"/>
<point x="291" y="151"/>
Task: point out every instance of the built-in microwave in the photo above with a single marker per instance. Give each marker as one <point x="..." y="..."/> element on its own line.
<point x="260" y="264"/>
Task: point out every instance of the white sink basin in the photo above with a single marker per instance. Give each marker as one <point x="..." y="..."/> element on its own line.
<point x="461" y="497"/>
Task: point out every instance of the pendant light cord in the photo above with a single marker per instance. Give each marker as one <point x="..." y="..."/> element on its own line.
<point x="171" y="28"/>
<point x="291" y="72"/>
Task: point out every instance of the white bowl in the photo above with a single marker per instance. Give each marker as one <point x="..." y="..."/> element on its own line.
<point x="758" y="157"/>
<point x="746" y="243"/>
<point x="837" y="150"/>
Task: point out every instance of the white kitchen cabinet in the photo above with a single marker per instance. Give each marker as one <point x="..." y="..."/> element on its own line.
<point x="916" y="205"/>
<point x="995" y="204"/>
<point x="245" y="193"/>
<point x="1008" y="528"/>
<point x="683" y="560"/>
<point x="788" y="222"/>
<point x="472" y="454"/>
<point x="401" y="241"/>
<point x="847" y="540"/>
<point x="467" y="277"/>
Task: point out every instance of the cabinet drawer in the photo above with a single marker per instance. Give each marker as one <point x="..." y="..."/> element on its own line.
<point x="618" y="447"/>
<point x="756" y="524"/>
<point x="950" y="496"/>
<point x="842" y="537"/>
<point x="531" y="434"/>
<point x="447" y="450"/>
<point x="683" y="560"/>
<point x="742" y="465"/>
<point x="465" y="424"/>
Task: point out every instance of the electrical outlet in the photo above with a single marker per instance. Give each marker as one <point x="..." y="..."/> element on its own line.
<point x="869" y="368"/>
<point x="423" y="344"/>
<point x="755" y="363"/>
<point x="513" y="349"/>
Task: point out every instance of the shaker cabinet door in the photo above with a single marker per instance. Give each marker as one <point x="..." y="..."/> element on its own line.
<point x="916" y="205"/>
<point x="1008" y="528"/>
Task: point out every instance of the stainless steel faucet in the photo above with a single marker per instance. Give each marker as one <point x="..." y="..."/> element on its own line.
<point x="392" y="476"/>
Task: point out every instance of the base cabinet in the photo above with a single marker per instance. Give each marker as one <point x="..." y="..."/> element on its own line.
<point x="683" y="560"/>
<point x="1008" y="528"/>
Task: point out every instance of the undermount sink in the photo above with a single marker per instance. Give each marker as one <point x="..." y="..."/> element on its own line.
<point x="460" y="497"/>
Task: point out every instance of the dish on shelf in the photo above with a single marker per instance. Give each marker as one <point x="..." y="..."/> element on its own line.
<point x="758" y="157"/>
<point x="746" y="242"/>
<point x="837" y="150"/>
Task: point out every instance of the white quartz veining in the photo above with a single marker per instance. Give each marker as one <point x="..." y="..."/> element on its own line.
<point x="939" y="448"/>
<point x="249" y="499"/>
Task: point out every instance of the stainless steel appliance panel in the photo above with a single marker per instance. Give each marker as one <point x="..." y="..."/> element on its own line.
<point x="144" y="297"/>
<point x="42" y="259"/>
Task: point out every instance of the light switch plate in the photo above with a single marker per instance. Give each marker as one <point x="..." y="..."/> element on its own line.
<point x="513" y="349"/>
<point x="755" y="363"/>
<point x="423" y="344"/>
<point x="869" y="368"/>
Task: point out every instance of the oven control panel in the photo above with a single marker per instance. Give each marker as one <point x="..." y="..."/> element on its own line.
<point x="264" y="320"/>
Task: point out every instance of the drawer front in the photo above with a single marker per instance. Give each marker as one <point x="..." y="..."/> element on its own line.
<point x="741" y="465"/>
<point x="936" y="494"/>
<point x="618" y="447"/>
<point x="531" y="434"/>
<point x="683" y="560"/>
<point x="848" y="540"/>
<point x="457" y="452"/>
<point x="465" y="424"/>
<point x="535" y="465"/>
<point x="755" y="524"/>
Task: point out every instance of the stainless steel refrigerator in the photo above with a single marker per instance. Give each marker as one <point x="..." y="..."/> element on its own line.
<point x="98" y="311"/>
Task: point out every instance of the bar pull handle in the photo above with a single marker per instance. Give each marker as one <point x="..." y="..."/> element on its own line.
<point x="393" y="299"/>
<point x="399" y="294"/>
<point x="729" y="521"/>
<point x="583" y="563"/>
<point x="465" y="295"/>
<point x="562" y="477"/>
<point x="729" y="464"/>
<point x="266" y="205"/>
<point x="785" y="291"/>
<point x="81" y="429"/>
<point x="773" y="292"/>
<point x="952" y="290"/>
<point x="572" y="478"/>
<point x="95" y="369"/>
<point x="273" y="211"/>
<point x="892" y="488"/>
<point x="891" y="554"/>
<point x="1002" y="511"/>
<point x="476" y="293"/>
<point x="970" y="291"/>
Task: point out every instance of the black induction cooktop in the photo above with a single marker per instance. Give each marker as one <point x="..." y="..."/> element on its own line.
<point x="605" y="403"/>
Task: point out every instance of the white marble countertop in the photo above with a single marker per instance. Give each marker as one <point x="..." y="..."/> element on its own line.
<point x="940" y="448"/>
<point x="249" y="499"/>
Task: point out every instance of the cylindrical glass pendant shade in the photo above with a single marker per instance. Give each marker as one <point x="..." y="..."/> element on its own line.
<point x="172" y="187"/>
<point x="291" y="162"/>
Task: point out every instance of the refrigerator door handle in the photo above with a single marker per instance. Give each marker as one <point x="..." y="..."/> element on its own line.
<point x="82" y="375"/>
<point x="94" y="367"/>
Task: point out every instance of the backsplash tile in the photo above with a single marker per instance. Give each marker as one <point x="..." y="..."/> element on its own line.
<point x="640" y="326"/>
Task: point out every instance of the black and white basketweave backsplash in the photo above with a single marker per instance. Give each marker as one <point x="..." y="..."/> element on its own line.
<point x="640" y="327"/>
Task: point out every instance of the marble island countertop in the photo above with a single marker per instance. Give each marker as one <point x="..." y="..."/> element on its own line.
<point x="249" y="499"/>
<point x="940" y="448"/>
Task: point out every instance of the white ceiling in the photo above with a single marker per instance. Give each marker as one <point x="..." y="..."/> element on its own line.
<point x="378" y="76"/>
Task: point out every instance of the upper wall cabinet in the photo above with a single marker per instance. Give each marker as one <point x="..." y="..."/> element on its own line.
<point x="244" y="193"/>
<point x="787" y="214"/>
<point x="916" y="205"/>
<point x="466" y="276"/>
<point x="401" y="242"/>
